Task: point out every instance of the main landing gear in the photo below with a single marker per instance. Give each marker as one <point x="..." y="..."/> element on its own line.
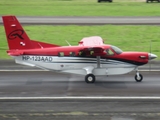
<point x="138" y="77"/>
<point x="90" y="78"/>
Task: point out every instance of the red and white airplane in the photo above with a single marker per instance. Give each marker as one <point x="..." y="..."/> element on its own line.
<point x="90" y="58"/>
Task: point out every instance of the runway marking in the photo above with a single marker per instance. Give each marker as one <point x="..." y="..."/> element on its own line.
<point x="82" y="98"/>
<point x="21" y="70"/>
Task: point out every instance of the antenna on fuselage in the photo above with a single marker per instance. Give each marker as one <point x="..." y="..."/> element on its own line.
<point x="68" y="43"/>
<point x="40" y="45"/>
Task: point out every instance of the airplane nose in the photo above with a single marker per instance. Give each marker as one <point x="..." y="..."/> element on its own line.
<point x="152" y="56"/>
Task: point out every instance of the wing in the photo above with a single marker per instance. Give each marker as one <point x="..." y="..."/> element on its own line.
<point x="91" y="41"/>
<point x="92" y="46"/>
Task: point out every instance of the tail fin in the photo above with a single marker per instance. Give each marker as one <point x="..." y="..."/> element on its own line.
<point x="15" y="34"/>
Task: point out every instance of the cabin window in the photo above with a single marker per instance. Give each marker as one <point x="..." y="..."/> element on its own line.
<point x="82" y="53"/>
<point x="91" y="52"/>
<point x="72" y="54"/>
<point x="109" y="52"/>
<point x="61" y="54"/>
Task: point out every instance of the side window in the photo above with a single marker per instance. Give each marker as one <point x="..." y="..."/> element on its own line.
<point x="109" y="52"/>
<point x="82" y="53"/>
<point x="72" y="54"/>
<point x="91" y="52"/>
<point x="61" y="54"/>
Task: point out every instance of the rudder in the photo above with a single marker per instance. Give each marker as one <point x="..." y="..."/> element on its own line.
<point x="15" y="34"/>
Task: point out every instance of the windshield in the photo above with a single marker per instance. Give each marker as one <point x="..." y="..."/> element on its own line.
<point x="116" y="49"/>
<point x="109" y="52"/>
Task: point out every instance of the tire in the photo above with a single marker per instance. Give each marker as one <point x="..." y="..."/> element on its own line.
<point x="110" y="0"/>
<point x="139" y="79"/>
<point x="99" y="1"/>
<point x="90" y="78"/>
<point x="147" y="1"/>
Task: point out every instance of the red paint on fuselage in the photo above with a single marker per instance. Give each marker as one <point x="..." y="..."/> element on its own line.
<point x="138" y="58"/>
<point x="20" y="44"/>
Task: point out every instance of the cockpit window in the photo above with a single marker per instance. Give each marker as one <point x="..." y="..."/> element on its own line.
<point x="109" y="52"/>
<point x="116" y="49"/>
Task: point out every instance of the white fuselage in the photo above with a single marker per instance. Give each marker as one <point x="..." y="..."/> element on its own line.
<point x="76" y="65"/>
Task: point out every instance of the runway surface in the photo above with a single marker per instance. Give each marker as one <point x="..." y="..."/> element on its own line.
<point x="46" y="83"/>
<point x="49" y="84"/>
<point x="35" y="20"/>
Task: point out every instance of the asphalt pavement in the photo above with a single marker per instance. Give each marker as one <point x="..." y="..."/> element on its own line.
<point x="86" y="20"/>
<point x="40" y="95"/>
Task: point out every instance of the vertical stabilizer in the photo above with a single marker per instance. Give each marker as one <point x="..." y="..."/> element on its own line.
<point x="15" y="34"/>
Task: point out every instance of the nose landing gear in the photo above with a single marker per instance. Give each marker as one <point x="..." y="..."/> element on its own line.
<point x="138" y="77"/>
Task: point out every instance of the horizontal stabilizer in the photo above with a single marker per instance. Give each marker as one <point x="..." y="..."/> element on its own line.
<point x="14" y="52"/>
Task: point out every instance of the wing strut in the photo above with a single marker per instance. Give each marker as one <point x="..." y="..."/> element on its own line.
<point x="98" y="61"/>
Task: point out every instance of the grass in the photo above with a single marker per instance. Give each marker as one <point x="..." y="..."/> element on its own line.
<point x="128" y="38"/>
<point x="78" y="8"/>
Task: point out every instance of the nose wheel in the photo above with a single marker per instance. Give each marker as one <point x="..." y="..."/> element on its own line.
<point x="90" y="78"/>
<point x="138" y="77"/>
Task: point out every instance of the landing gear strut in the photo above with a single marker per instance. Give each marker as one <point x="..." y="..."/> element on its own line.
<point x="138" y="77"/>
<point x="90" y="78"/>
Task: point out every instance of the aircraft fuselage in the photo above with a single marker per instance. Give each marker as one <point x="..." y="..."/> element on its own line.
<point x="76" y="65"/>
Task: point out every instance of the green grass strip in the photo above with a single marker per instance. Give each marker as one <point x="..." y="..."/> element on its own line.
<point x="128" y="38"/>
<point x="78" y="8"/>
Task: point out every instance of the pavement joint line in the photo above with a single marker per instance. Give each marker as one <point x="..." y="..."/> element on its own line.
<point x="82" y="98"/>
